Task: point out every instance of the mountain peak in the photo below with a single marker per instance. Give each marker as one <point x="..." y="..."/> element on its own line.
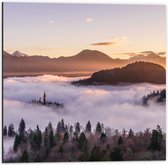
<point x="19" y="54"/>
<point x="88" y="50"/>
<point x="87" y="53"/>
<point x="145" y="55"/>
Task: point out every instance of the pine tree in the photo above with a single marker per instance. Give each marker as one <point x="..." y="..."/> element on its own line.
<point x="66" y="137"/>
<point x="82" y="142"/>
<point x="46" y="151"/>
<point x="17" y="142"/>
<point x="77" y="128"/>
<point x="46" y="138"/>
<point x="5" y="131"/>
<point x="33" y="142"/>
<point x="58" y="137"/>
<point x="88" y="127"/>
<point x="131" y="133"/>
<point x="159" y="129"/>
<point x="116" y="155"/>
<point x="11" y="131"/>
<point x="36" y="140"/>
<point x="51" y="139"/>
<point x="98" y="128"/>
<point x="50" y="127"/>
<point x="66" y="128"/>
<point x="71" y="130"/>
<point x="59" y="127"/>
<point x="51" y="135"/>
<point x="24" y="157"/>
<point x="95" y="154"/>
<point x="61" y="150"/>
<point x="22" y="127"/>
<point x="156" y="140"/>
<point x="103" y="137"/>
<point x="62" y="125"/>
<point x="75" y="136"/>
<point x="38" y="137"/>
<point x="120" y="141"/>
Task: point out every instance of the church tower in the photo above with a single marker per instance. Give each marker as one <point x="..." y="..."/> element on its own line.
<point x="44" y="98"/>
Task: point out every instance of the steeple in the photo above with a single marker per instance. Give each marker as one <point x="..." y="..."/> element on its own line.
<point x="44" y="102"/>
<point x="44" y="98"/>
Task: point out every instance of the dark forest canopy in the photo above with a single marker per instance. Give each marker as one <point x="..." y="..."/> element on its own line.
<point x="155" y="96"/>
<point x="64" y="143"/>
<point x="138" y="72"/>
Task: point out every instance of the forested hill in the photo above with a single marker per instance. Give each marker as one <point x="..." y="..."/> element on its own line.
<point x="138" y="72"/>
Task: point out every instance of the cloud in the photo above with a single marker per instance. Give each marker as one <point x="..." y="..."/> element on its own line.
<point x="115" y="106"/>
<point x="103" y="43"/>
<point x="51" y="22"/>
<point x="89" y="19"/>
<point x="108" y="104"/>
<point x="113" y="41"/>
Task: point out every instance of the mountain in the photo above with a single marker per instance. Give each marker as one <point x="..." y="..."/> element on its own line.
<point x="91" y="55"/>
<point x="150" y="57"/>
<point x="19" y="54"/>
<point x="138" y="72"/>
<point x="87" y="61"/>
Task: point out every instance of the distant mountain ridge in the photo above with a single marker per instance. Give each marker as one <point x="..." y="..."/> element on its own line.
<point x="138" y="72"/>
<point x="19" y="54"/>
<point x="85" y="61"/>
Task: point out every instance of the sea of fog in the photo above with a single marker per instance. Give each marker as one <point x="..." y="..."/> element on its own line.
<point x="116" y="107"/>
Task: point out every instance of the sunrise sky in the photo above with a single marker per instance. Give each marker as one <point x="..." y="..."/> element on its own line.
<point x="66" y="29"/>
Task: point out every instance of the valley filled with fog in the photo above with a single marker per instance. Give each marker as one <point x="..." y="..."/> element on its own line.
<point x="116" y="107"/>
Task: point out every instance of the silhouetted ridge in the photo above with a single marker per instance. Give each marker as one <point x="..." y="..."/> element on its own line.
<point x="88" y="61"/>
<point x="137" y="72"/>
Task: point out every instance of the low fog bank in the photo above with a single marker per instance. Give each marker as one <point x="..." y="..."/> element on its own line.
<point x="8" y="147"/>
<point x="115" y="106"/>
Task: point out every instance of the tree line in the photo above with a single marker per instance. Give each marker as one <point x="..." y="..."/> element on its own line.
<point x="157" y="96"/>
<point x="71" y="143"/>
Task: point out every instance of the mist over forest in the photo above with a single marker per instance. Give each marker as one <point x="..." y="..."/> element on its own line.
<point x="115" y="106"/>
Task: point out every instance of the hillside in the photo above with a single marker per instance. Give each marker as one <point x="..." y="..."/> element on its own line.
<point x="138" y="72"/>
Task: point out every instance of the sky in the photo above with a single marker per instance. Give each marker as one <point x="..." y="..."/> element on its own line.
<point x="55" y="29"/>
